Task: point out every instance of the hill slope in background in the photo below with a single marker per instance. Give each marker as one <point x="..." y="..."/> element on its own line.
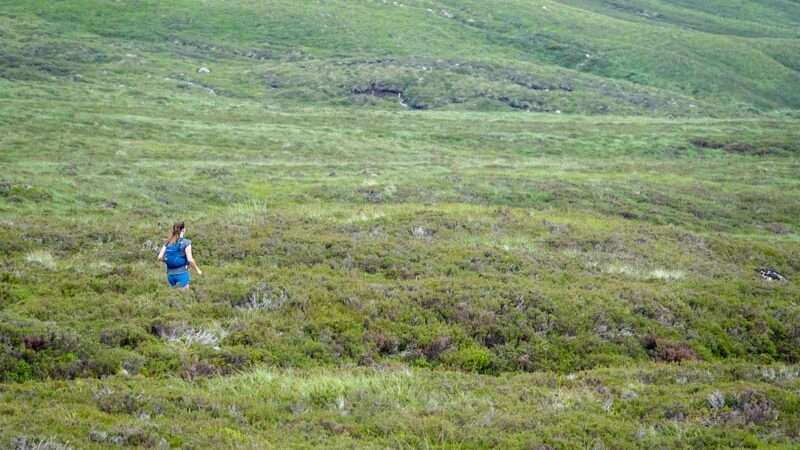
<point x="596" y="57"/>
<point x="396" y="253"/>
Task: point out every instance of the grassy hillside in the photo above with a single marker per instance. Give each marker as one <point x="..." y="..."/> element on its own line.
<point x="643" y="57"/>
<point x="398" y="251"/>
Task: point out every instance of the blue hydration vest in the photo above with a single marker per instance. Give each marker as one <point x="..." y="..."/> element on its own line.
<point x="175" y="254"/>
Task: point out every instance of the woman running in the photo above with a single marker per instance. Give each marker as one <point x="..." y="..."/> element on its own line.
<point x="176" y="254"/>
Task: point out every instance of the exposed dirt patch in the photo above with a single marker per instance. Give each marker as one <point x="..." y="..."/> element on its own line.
<point x="386" y="89"/>
<point x="778" y="228"/>
<point x="274" y="81"/>
<point x="15" y="67"/>
<point x="378" y="89"/>
<point x="743" y="148"/>
<point x="668" y="351"/>
<point x="520" y="104"/>
<point x="705" y="143"/>
<point x="199" y="368"/>
<point x="436" y="347"/>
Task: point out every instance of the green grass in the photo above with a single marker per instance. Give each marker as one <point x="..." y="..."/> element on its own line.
<point x="459" y="272"/>
<point x="643" y="57"/>
<point x="647" y="407"/>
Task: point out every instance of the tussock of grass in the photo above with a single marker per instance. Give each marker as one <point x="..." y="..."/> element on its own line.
<point x="188" y="336"/>
<point x="41" y="258"/>
<point x="29" y="443"/>
<point x="249" y="213"/>
<point x="654" y="274"/>
<point x="324" y="388"/>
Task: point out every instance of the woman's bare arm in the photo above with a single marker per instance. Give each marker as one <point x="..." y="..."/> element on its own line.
<point x="191" y="260"/>
<point x="161" y="253"/>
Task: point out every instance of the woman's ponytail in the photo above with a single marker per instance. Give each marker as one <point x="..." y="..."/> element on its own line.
<point x="176" y="233"/>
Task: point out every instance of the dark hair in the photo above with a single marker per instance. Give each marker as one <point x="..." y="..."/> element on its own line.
<point x="176" y="232"/>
